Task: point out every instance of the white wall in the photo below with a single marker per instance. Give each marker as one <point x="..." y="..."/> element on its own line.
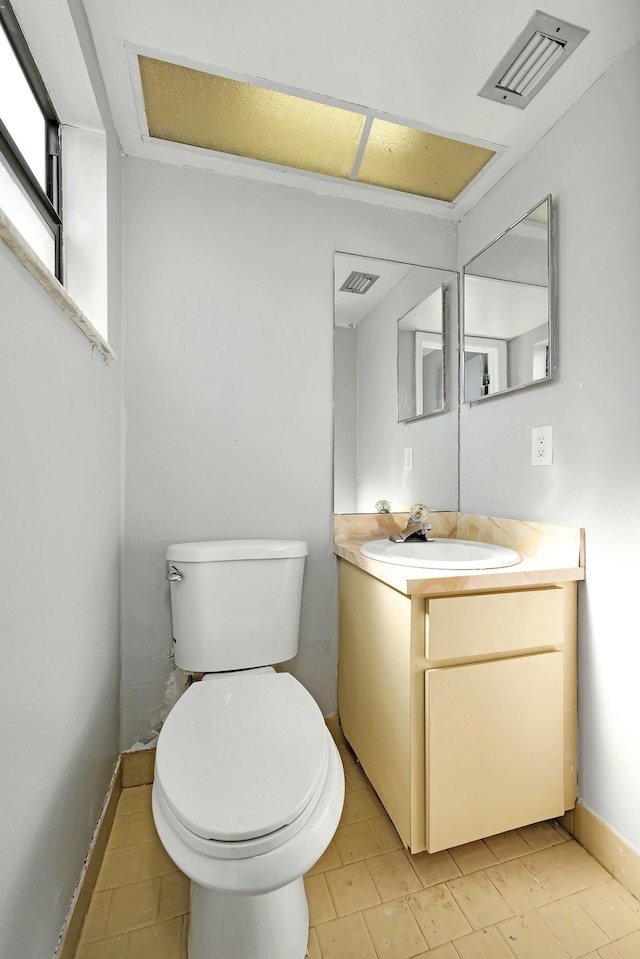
<point x="229" y="391"/>
<point x="60" y="482"/>
<point x="59" y="575"/>
<point x="589" y="162"/>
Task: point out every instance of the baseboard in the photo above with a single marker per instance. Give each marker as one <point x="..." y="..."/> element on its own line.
<point x="606" y="846"/>
<point x="70" y="936"/>
<point x="138" y="766"/>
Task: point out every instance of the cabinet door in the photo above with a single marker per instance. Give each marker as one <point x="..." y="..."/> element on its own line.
<point x="494" y="747"/>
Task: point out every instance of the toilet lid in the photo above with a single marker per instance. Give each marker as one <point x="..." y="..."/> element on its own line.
<point x="242" y="756"/>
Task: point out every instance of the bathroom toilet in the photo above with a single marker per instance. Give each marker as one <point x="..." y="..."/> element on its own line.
<point x="249" y="786"/>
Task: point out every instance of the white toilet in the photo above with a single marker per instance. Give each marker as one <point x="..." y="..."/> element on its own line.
<point x="249" y="786"/>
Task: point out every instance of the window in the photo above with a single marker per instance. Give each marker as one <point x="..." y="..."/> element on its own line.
<point x="29" y="147"/>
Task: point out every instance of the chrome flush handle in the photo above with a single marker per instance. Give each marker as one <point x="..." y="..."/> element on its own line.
<point x="174" y="575"/>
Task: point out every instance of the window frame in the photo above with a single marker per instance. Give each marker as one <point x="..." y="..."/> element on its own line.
<point x="48" y="204"/>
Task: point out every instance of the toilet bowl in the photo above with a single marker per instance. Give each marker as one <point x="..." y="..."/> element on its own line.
<point x="247" y="795"/>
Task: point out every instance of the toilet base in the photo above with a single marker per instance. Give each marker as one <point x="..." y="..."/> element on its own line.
<point x="274" y="925"/>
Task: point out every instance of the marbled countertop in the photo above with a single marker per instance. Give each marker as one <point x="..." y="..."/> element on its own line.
<point x="550" y="554"/>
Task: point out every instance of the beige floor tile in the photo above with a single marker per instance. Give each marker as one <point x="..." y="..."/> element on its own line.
<point x="592" y="955"/>
<point x="346" y="754"/>
<point x="479" y="900"/>
<point x="313" y="946"/>
<point x="134" y="799"/>
<point x="609" y="910"/>
<point x="554" y="874"/>
<point x="539" y="835"/>
<point x="447" y="951"/>
<point x="345" y="938"/>
<point x="484" y="944"/>
<point x="330" y="859"/>
<point x="626" y="948"/>
<point x="351" y="888"/>
<point x="529" y="938"/>
<point x="434" y="868"/>
<point x="120" y="866"/>
<point x="115" y="948"/>
<point x="517" y="886"/>
<point x="174" y="896"/>
<point x="321" y="908"/>
<point x="356" y="841"/>
<point x="118" y="834"/>
<point x="438" y="915"/>
<point x="624" y="894"/>
<point x="155" y="860"/>
<point x="582" y="863"/>
<point x="472" y="856"/>
<point x="133" y="906"/>
<point x="162" y="940"/>
<point x="571" y="925"/>
<point x="393" y="875"/>
<point x="507" y="845"/>
<point x="141" y="828"/>
<point x="95" y="923"/>
<point x="355" y="777"/>
<point x="394" y="931"/>
<point x="385" y="833"/>
<point x="359" y="804"/>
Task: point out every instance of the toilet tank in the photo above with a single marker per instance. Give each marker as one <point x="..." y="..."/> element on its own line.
<point x="235" y="603"/>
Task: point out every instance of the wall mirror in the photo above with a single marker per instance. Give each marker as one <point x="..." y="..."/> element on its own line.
<point x="395" y="436"/>
<point x="508" y="312"/>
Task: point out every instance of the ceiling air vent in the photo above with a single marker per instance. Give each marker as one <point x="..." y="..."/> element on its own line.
<point x="542" y="47"/>
<point x="358" y="282"/>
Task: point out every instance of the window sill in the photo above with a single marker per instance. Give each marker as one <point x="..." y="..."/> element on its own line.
<point x="23" y="252"/>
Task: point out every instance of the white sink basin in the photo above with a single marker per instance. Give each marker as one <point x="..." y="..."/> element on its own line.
<point x="441" y="554"/>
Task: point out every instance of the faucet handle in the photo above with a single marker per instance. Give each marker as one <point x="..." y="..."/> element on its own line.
<point x="418" y="513"/>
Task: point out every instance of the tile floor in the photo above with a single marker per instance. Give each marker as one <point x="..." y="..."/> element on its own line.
<point x="530" y="894"/>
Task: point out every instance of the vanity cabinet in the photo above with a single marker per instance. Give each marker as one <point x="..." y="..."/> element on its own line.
<point x="461" y="708"/>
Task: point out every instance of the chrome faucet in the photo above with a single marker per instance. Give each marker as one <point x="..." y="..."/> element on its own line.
<point x="413" y="531"/>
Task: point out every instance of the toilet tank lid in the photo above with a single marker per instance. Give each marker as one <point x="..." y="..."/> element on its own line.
<point x="218" y="550"/>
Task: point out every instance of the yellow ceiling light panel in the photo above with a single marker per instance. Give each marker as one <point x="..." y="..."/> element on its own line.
<point x="230" y="116"/>
<point x="401" y="158"/>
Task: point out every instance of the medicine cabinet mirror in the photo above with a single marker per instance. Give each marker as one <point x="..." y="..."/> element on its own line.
<point x="395" y="435"/>
<point x="508" y="309"/>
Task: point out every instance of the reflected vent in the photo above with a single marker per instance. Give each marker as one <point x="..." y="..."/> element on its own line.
<point x="358" y="282"/>
<point x="531" y="61"/>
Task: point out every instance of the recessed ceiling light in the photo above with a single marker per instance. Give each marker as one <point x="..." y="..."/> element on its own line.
<point x="246" y="119"/>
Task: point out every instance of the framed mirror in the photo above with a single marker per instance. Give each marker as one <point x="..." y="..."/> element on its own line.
<point x="508" y="310"/>
<point x="393" y="368"/>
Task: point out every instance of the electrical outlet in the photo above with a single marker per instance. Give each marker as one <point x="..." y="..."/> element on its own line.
<point x="408" y="459"/>
<point x="542" y="446"/>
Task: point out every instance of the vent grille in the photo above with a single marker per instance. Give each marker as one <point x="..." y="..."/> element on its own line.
<point x="530" y="67"/>
<point x="358" y="282"/>
<point x="532" y="59"/>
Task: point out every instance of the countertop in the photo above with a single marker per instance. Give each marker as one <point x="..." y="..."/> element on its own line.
<point x="550" y="554"/>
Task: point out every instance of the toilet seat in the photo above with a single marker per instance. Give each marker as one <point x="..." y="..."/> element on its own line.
<point x="241" y="763"/>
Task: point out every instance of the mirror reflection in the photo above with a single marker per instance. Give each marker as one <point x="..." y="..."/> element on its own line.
<point x="421" y="381"/>
<point x="393" y="369"/>
<point x="508" y="322"/>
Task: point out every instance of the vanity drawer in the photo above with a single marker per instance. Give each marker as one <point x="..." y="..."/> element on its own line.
<point x="458" y="627"/>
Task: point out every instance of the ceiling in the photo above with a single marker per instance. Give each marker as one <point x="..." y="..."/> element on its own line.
<point x="421" y="62"/>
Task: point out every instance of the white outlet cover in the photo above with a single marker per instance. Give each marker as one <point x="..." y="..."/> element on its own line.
<point x="542" y="446"/>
